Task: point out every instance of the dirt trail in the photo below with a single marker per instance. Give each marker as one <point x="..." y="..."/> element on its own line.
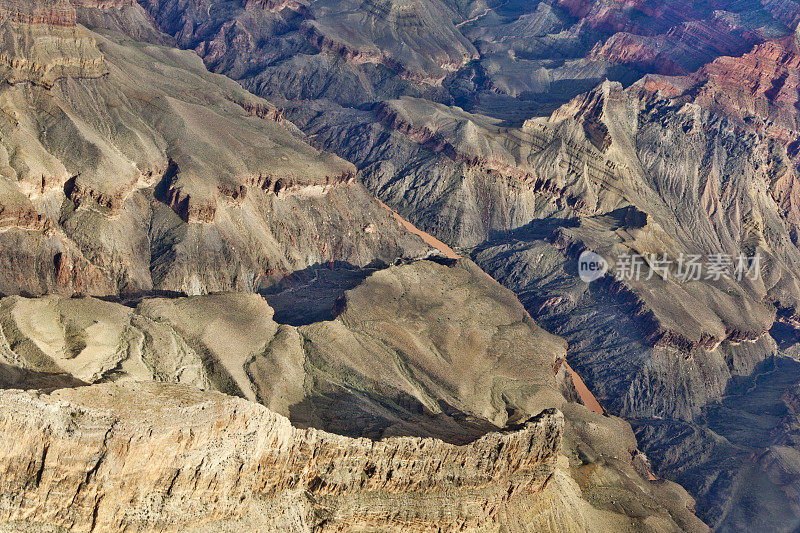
<point x="477" y="17"/>
<point x="428" y="238"/>
<point x="587" y="398"/>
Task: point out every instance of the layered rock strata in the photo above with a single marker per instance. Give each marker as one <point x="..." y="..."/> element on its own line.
<point x="111" y="457"/>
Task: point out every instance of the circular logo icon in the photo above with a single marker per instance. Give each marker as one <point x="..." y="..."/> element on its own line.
<point x="591" y="266"/>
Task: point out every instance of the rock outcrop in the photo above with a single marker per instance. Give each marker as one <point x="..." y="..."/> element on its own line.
<point x="394" y="357"/>
<point x="507" y="61"/>
<point x="127" y="170"/>
<point x="398" y="363"/>
<point x="697" y="164"/>
<point x="128" y="167"/>
<point x="42" y="44"/>
<point x="759" y="91"/>
<point x="111" y="457"/>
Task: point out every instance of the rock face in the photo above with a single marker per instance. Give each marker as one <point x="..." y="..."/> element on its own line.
<point x="750" y="440"/>
<point x="128" y="171"/>
<point x="759" y="91"/>
<point x="42" y="45"/>
<point x="396" y="359"/>
<point x="700" y="163"/>
<point x="111" y="457"/>
<point x="49" y="12"/>
<point x="398" y="363"/>
<point x="130" y="168"/>
<point x="353" y="49"/>
<point x="606" y="172"/>
<point x="506" y="60"/>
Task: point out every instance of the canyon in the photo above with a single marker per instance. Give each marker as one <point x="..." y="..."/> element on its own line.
<point x="312" y="265"/>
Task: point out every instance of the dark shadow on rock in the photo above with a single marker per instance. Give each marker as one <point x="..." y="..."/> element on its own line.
<point x="785" y="335"/>
<point x="535" y="230"/>
<point x="314" y="294"/>
<point x="726" y="450"/>
<point x="133" y="299"/>
<point x="69" y="187"/>
<point x="754" y="406"/>
<point x="357" y="414"/>
<point x="544" y="229"/>
<point x="629" y="217"/>
<point x="442" y="260"/>
<point x="164" y="193"/>
<point x="12" y="377"/>
<point x="161" y="190"/>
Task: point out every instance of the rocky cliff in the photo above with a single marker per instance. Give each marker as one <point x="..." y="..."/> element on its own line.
<point x="692" y="164"/>
<point x="503" y="59"/>
<point x="130" y="168"/>
<point x="397" y="363"/>
<point x="132" y="173"/>
<point x="110" y="457"/>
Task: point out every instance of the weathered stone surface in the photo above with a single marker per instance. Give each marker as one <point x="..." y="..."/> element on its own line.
<point x="151" y="173"/>
<point x="508" y="60"/>
<point x="176" y="179"/>
<point x="112" y="457"/>
<point x="399" y="360"/>
<point x="46" y="47"/>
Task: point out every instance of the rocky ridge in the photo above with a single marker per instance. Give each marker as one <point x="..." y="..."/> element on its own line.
<point x="43" y="45"/>
<point x="693" y="164"/>
<point x="110" y="457"/>
<point x="502" y="59"/>
<point x="667" y="165"/>
<point x="413" y="374"/>
<point x="115" y="185"/>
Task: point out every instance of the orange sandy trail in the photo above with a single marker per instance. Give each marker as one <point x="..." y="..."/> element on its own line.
<point x="429" y="239"/>
<point x="587" y="397"/>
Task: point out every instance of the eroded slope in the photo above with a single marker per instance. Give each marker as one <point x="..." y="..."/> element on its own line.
<point x="128" y="167"/>
<point x="422" y="349"/>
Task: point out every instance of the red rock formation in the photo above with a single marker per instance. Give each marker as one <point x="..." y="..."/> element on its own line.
<point x="719" y="36"/>
<point x="103" y="4"/>
<point x="262" y="110"/>
<point x="763" y="82"/>
<point x="760" y="91"/>
<point x="21" y="216"/>
<point x="636" y="51"/>
<point x="51" y="13"/>
<point x="275" y="5"/>
<point x="188" y="208"/>
<point x="287" y="184"/>
<point x="73" y="274"/>
<point x="624" y="15"/>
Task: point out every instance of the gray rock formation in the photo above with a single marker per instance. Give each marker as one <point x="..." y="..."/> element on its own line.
<point x="129" y="172"/>
<point x="667" y="166"/>
<point x="127" y="168"/>
<point x="399" y="363"/>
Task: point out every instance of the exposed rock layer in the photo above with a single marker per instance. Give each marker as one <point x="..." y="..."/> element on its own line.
<point x="683" y="170"/>
<point x="111" y="457"/>
<point x="398" y="361"/>
<point x="129" y="168"/>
